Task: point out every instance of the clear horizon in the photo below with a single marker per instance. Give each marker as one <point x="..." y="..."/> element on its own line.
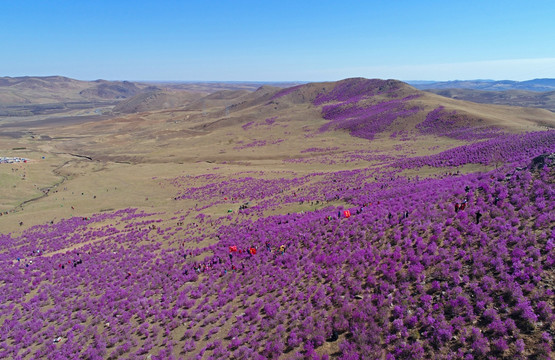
<point x="266" y="81"/>
<point x="283" y="41"/>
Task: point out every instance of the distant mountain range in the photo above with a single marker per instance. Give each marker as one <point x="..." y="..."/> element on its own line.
<point x="34" y="95"/>
<point x="538" y="85"/>
<point x="54" y="89"/>
<point x="543" y="100"/>
<point x="47" y="95"/>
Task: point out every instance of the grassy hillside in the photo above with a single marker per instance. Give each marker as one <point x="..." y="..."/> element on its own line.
<point x="320" y="221"/>
<point x="57" y="89"/>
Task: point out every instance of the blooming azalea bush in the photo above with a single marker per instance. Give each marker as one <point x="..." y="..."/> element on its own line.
<point x="455" y="125"/>
<point x="366" y="121"/>
<point x="511" y="148"/>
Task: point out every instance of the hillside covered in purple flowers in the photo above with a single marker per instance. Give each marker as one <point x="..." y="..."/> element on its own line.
<point x="361" y="219"/>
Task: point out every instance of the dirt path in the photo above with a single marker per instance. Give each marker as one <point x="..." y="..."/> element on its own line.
<point x="45" y="190"/>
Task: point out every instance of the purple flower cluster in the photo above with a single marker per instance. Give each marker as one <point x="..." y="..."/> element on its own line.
<point x="270" y="121"/>
<point x="366" y="121"/>
<point x="357" y="89"/>
<point x="247" y="125"/>
<point x="267" y="122"/>
<point x="255" y="143"/>
<point x="455" y="125"/>
<point x="512" y="148"/>
<point x="236" y="189"/>
<point x="319" y="150"/>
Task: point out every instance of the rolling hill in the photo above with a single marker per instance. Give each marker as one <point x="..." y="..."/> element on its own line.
<point x="364" y="109"/>
<point x="58" y="99"/>
<point x="53" y="89"/>
<point x="155" y="100"/>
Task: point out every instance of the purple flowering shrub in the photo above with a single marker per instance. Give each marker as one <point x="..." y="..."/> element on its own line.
<point x="367" y="120"/>
<point x="319" y="150"/>
<point x="455" y="125"/>
<point x="255" y="143"/>
<point x="512" y="148"/>
<point x="357" y="89"/>
<point x="286" y="91"/>
<point x="267" y="123"/>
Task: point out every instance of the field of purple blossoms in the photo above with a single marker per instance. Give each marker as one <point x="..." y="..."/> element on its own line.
<point x="405" y="276"/>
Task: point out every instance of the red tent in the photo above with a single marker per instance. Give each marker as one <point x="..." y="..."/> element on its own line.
<point x="347" y="213"/>
<point x="233" y="248"/>
<point x="253" y="250"/>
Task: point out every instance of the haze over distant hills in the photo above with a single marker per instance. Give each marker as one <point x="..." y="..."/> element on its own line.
<point x="543" y="100"/>
<point x="488" y="85"/>
<point x="538" y="93"/>
<point x="47" y="95"/>
<point x="49" y="89"/>
<point x="30" y="98"/>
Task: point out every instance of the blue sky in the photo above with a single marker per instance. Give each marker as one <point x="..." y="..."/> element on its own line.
<point x="284" y="40"/>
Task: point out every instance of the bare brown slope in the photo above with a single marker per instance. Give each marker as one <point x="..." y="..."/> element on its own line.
<point x="29" y="89"/>
<point x="41" y="82"/>
<point x="115" y="89"/>
<point x="511" y="118"/>
<point x="218" y="99"/>
<point x="212" y="87"/>
<point x="53" y="89"/>
<point x="156" y="100"/>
